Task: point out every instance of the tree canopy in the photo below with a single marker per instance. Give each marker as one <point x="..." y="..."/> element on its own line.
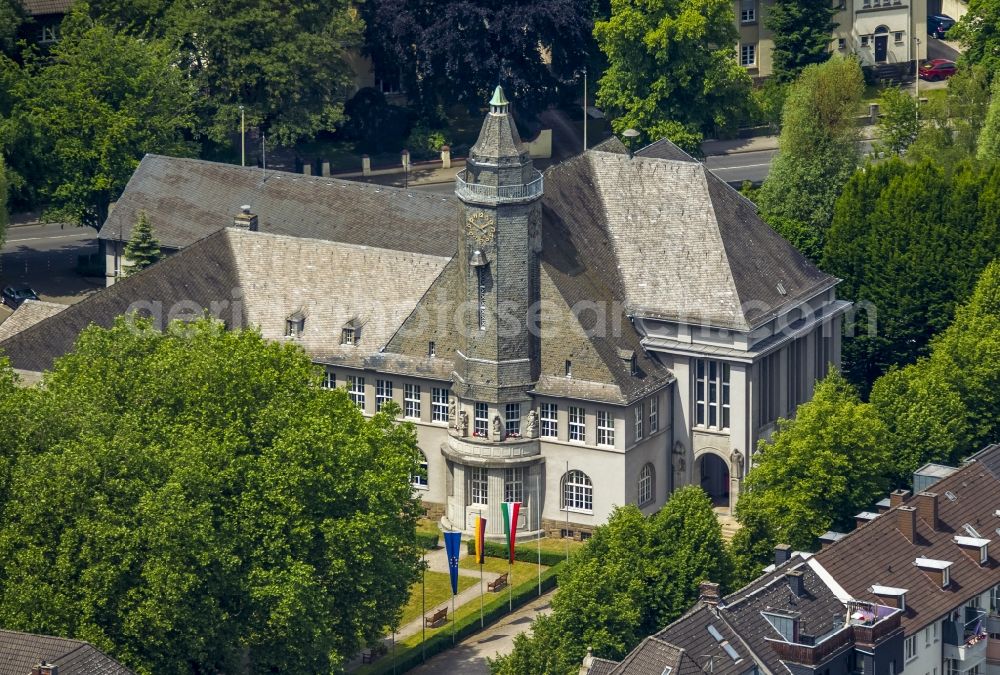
<point x="285" y="61"/>
<point x="672" y="70"/>
<point x="897" y="123"/>
<point x="4" y="198"/>
<point x="909" y="240"/>
<point x="634" y="576"/>
<point x="91" y="110"/>
<point x="801" y="31"/>
<point x="988" y="143"/>
<point x="817" y="153"/>
<point x="447" y="50"/>
<point x="194" y="501"/>
<point x="979" y="33"/>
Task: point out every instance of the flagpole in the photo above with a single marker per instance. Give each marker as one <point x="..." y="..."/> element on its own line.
<point x="510" y="585"/>
<point x="566" y="506"/>
<point x="423" y="604"/>
<point x="453" y="620"/>
<point x="538" y="526"/>
<point x="479" y="555"/>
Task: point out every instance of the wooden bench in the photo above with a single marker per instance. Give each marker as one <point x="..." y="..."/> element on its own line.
<point x="437" y="618"/>
<point x="367" y="656"/>
<point x="497" y="583"/>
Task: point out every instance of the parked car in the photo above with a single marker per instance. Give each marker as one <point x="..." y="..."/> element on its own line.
<point x="13" y="296"/>
<point x="938" y="25"/>
<point x="937" y="69"/>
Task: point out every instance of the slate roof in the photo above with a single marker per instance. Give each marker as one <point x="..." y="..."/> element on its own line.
<point x="188" y="199"/>
<point x="29" y="313"/>
<point x="46" y="7"/>
<point x="676" y="243"/>
<point x="878" y="553"/>
<point x="19" y="652"/>
<point x="252" y="278"/>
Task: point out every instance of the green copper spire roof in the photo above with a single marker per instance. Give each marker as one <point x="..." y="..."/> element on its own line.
<point x="498" y="97"/>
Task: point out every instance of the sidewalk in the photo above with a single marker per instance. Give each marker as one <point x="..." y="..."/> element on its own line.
<point x="712" y="148"/>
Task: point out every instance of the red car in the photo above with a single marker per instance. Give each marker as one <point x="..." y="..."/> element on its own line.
<point x="937" y="69"/>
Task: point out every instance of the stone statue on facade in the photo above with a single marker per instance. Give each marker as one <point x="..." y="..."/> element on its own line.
<point x="463" y="423"/>
<point x="736" y="460"/>
<point x="531" y="430"/>
<point x="497" y="428"/>
<point x="452" y="420"/>
<point x="679" y="453"/>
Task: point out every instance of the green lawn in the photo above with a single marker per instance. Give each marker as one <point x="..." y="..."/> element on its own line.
<point x="438" y="594"/>
<point x="495" y="566"/>
<point x="556" y="545"/>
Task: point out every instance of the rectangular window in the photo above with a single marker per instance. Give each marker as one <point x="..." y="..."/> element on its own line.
<point x="841" y="44"/>
<point x="864" y="38"/>
<point x="513" y="485"/>
<point x="329" y="379"/>
<point x="654" y="414"/>
<point x="748" y="11"/>
<point x="481" y="302"/>
<point x="605" y="428"/>
<point x="411" y="401"/>
<point x="898" y="37"/>
<point x="639" y="415"/>
<point x="356" y="390"/>
<point x="479" y="490"/>
<point x="420" y="479"/>
<point x="431" y="349"/>
<point x="910" y="648"/>
<point x="348" y="336"/>
<point x="512" y="420"/>
<point x="439" y="404"/>
<point x="383" y="393"/>
<point x="569" y="368"/>
<point x="769" y="392"/>
<point x="712" y="394"/>
<point x="481" y="421"/>
<point x="577" y="424"/>
<point x="748" y="55"/>
<point x="550" y="421"/>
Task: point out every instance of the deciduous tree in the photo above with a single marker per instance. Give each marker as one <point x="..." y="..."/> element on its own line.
<point x="801" y="31"/>
<point x="672" y="70"/>
<point x="194" y="501"/>
<point x="92" y="110"/>
<point x="897" y="123"/>
<point x="979" y="32"/>
<point x="818" y="153"/>
<point x="4" y="198"/>
<point x="447" y="50"/>
<point x="988" y="144"/>
<point x="634" y="576"/>
<point x="819" y="468"/>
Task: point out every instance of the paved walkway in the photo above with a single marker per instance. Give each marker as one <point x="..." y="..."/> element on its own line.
<point x="437" y="561"/>
<point x="469" y="656"/>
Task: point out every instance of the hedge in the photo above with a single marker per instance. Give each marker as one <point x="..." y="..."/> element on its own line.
<point x="408" y="658"/>
<point x="428" y="539"/>
<point x="524" y="552"/>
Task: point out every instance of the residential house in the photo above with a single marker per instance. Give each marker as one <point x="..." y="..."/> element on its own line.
<point x="914" y="591"/>
<point x="888" y="36"/>
<point x="28" y="654"/>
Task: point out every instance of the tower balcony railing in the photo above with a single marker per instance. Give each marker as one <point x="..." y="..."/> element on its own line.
<point x="492" y="194"/>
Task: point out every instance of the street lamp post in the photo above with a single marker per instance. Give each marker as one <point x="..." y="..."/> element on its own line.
<point x="916" y="76"/>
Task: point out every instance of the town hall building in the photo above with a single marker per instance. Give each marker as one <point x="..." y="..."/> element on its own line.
<point x="597" y="335"/>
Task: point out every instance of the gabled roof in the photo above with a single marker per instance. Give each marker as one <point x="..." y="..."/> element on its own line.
<point x="189" y="199"/>
<point x="22" y="651"/>
<point x="29" y="313"/>
<point x="878" y="554"/>
<point x="675" y="242"/>
<point x="46" y="7"/>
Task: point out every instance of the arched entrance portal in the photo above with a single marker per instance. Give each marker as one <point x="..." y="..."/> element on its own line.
<point x="714" y="476"/>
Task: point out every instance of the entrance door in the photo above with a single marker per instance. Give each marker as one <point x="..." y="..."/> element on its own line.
<point x="881" y="44"/>
<point x="714" y="474"/>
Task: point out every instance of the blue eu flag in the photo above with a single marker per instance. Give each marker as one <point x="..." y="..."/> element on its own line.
<point x="453" y="545"/>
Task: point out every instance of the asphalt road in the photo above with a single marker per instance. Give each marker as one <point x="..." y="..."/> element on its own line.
<point x="44" y="257"/>
<point x="740" y="166"/>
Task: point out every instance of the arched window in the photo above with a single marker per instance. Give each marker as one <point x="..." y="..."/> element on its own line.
<point x="578" y="492"/>
<point x="647" y="484"/>
<point x="419" y="480"/>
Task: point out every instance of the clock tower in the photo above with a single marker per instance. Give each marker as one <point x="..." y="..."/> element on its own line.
<point x="498" y="253"/>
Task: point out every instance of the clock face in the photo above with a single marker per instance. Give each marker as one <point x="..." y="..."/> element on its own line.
<point x="481" y="227"/>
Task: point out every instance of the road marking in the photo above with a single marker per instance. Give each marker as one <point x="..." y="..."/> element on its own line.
<point x="62" y="236"/>
<point x="737" y="168"/>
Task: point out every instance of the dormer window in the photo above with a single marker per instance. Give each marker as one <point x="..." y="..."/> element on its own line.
<point x="786" y="624"/>
<point x="295" y="325"/>
<point x="431" y="349"/>
<point x="976" y="545"/>
<point x="942" y="567"/>
<point x="569" y="368"/>
<point x="350" y="334"/>
<point x="896" y="597"/>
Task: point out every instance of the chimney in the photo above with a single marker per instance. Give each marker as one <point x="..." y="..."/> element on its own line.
<point x="897" y="497"/>
<point x="906" y="521"/>
<point x="796" y="583"/>
<point x="708" y="592"/>
<point x="245" y="220"/>
<point x="782" y="553"/>
<point x="44" y="668"/>
<point x="927" y="507"/>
